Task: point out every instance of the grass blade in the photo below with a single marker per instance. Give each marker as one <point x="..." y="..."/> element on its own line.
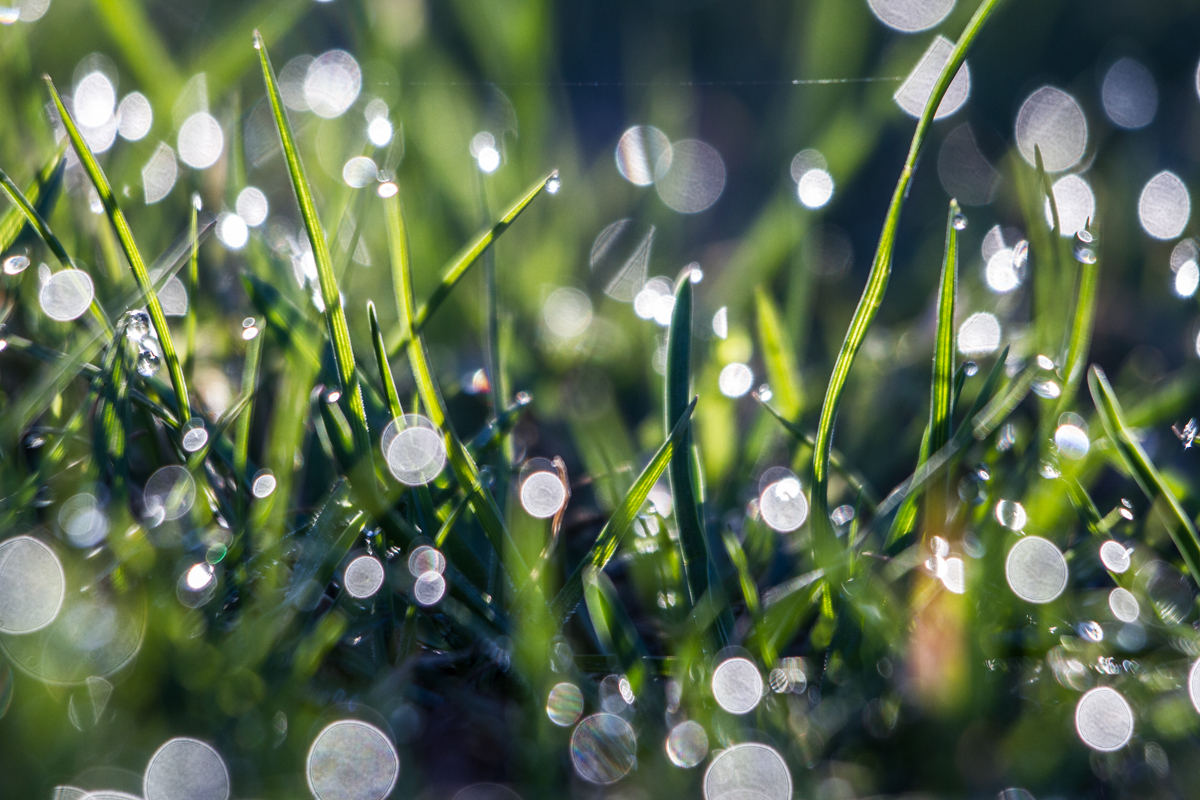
<point x="941" y="395"/>
<point x="779" y="356"/>
<point x="1144" y="472"/>
<point x="825" y="543"/>
<point x="335" y="314"/>
<point x="132" y="254"/>
<point x="463" y="262"/>
<point x="619" y="523"/>
<point x="40" y="194"/>
<point x="193" y="284"/>
<point x="1081" y="334"/>
<point x="385" y="371"/>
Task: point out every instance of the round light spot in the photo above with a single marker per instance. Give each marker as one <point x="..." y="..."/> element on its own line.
<point x="1187" y="279"/>
<point x="429" y="588"/>
<point x="174" y="300"/>
<point x="415" y="450"/>
<point x="695" y="179"/>
<point x="783" y="505"/>
<point x="1123" y="605"/>
<point x="720" y="323"/>
<point x="1129" y="94"/>
<point x="232" y="231"/>
<point x="1194" y="685"/>
<point x="136" y="117"/>
<point x="1164" y="206"/>
<point x="15" y="265"/>
<point x="917" y="88"/>
<point x="737" y="685"/>
<point x="564" y="704"/>
<point x="543" y="494"/>
<point x="750" y="770"/>
<point x="186" y="769"/>
<point x="67" y="294"/>
<point x="363" y="577"/>
<point x="815" y="188"/>
<point x="83" y="521"/>
<point x="1072" y="441"/>
<point x="567" y="313"/>
<point x="963" y="169"/>
<point x="1052" y="120"/>
<point x="195" y="435"/>
<point x="264" y="484"/>
<point x="1075" y="202"/>
<point x="1103" y="719"/>
<point x="170" y="493"/>
<point x="603" y="748"/>
<point x="1001" y="273"/>
<point x="94" y="100"/>
<point x="379" y="131"/>
<point x="979" y="335"/>
<point x="252" y="206"/>
<point x="954" y="575"/>
<point x="1011" y="515"/>
<point x="1036" y="570"/>
<point x="359" y="172"/>
<point x="1114" y="556"/>
<point x="643" y="155"/>
<point x="159" y="174"/>
<point x="426" y="559"/>
<point x="32" y="585"/>
<point x="332" y="83"/>
<point x="200" y="140"/>
<point x="351" y="760"/>
<point x="687" y="744"/>
<point x="910" y="16"/>
<point x="735" y="380"/>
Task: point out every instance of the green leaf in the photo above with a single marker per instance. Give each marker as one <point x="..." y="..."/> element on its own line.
<point x="335" y="314"/>
<point x="619" y="523"/>
<point x="1081" y="334"/>
<point x="1148" y="478"/>
<point x="40" y="195"/>
<point x="941" y="394"/>
<point x="132" y="254"/>
<point x="381" y="360"/>
<point x="463" y="261"/>
<point x="779" y="356"/>
<point x="825" y="543"/>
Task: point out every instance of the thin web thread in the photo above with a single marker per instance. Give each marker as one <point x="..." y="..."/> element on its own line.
<point x="587" y="84"/>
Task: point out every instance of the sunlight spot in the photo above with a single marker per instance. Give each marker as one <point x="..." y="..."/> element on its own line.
<point x="1036" y="570"/>
<point x="564" y="704"/>
<point x="252" y="206"/>
<point x="186" y="768"/>
<point x="750" y="770"/>
<point x="136" y="117"/>
<point x="735" y="380"/>
<point x="363" y="577"/>
<point x="914" y="93"/>
<point x="1075" y="203"/>
<point x="783" y="505"/>
<point x="694" y="179"/>
<point x="1103" y="719"/>
<point x="910" y="16"/>
<point x="32" y="585"/>
<point x="737" y="685"/>
<point x="1052" y="120"/>
<point x="687" y="744"/>
<point x="1164" y="206"/>
<point x="351" y="760"/>
<point x="200" y="140"/>
<point x="67" y="295"/>
<point x="603" y="749"/>
<point x="979" y="334"/>
<point x="159" y="174"/>
<point x="332" y="83"/>
<point x="643" y="155"/>
<point x="1129" y="94"/>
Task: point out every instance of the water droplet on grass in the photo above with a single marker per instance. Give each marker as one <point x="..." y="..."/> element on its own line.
<point x="960" y="222"/>
<point x="603" y="749"/>
<point x="363" y="577"/>
<point x="186" y="768"/>
<point x="32" y="585"/>
<point x="737" y="685"/>
<point x="687" y="744"/>
<point x="1036" y="570"/>
<point x="1103" y="719"/>
<point x="553" y="183"/>
<point x="351" y="760"/>
<point x="564" y="704"/>
<point x="147" y="363"/>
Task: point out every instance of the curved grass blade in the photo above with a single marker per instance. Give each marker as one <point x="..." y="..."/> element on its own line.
<point x="622" y="518"/>
<point x="779" y="356"/>
<point x="335" y="314"/>
<point x="193" y="283"/>
<point x="132" y="254"/>
<point x="463" y="261"/>
<point x="385" y="370"/>
<point x="40" y="194"/>
<point x="1148" y="478"/>
<point x="617" y="634"/>
<point x="825" y="544"/>
<point x="1081" y="334"/>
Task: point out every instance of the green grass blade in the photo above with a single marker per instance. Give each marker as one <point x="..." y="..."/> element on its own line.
<point x="193" y="285"/>
<point x="941" y="394"/>
<point x="692" y="542"/>
<point x="385" y="370"/>
<point x="1081" y="334"/>
<point x="1148" y="478"/>
<point x="779" y="356"/>
<point x="619" y="523"/>
<point x="25" y="207"/>
<point x="617" y="634"/>
<point x="461" y="462"/>
<point x="241" y="446"/>
<point x="335" y="314"/>
<point x="825" y="542"/>
<point x="40" y="194"/>
<point x="132" y="254"/>
<point x="142" y="48"/>
<point x="463" y="261"/>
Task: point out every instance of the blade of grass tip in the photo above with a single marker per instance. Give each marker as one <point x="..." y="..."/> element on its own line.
<point x="385" y="370"/>
<point x="1144" y="472"/>
<point x="619" y="523"/>
<point x="824" y="539"/>
<point x="40" y="195"/>
<point x="335" y="314"/>
<point x="692" y="542"/>
<point x="39" y="224"/>
<point x="241" y="449"/>
<point x="193" y="284"/>
<point x="463" y="466"/>
<point x="132" y="254"/>
<point x="463" y="261"/>
<point x="1081" y="333"/>
<point x="779" y="357"/>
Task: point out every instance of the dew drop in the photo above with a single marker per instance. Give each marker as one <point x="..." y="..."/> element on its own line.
<point x="147" y="363"/>
<point x="687" y="744"/>
<point x="603" y="748"/>
<point x="264" y="484"/>
<point x="1036" y="570"/>
<point x="363" y="577"/>
<point x="352" y="760"/>
<point x="564" y="704"/>
<point x="15" y="265"/>
<point x="737" y="685"/>
<point x="960" y="222"/>
<point x="553" y="183"/>
<point x="1103" y="719"/>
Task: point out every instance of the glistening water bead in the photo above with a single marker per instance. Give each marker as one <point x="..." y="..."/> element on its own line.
<point x="67" y="295"/>
<point x="564" y="704"/>
<point x="1115" y="556"/>
<point x="186" y="768"/>
<point x="147" y="363"/>
<point x="687" y="744"/>
<point x="737" y="685"/>
<point x="1104" y="719"/>
<point x="783" y="505"/>
<point x="603" y="748"/>
<point x="363" y="577"/>
<point x="543" y="494"/>
<point x="426" y="559"/>
<point x="1036" y="570"/>
<point x="1123" y="605"/>
<point x="352" y="760"/>
<point x="15" y="265"/>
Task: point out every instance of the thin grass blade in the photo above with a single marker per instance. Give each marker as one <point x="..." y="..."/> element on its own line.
<point x="779" y="356"/>
<point x="385" y="370"/>
<point x="40" y="195"/>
